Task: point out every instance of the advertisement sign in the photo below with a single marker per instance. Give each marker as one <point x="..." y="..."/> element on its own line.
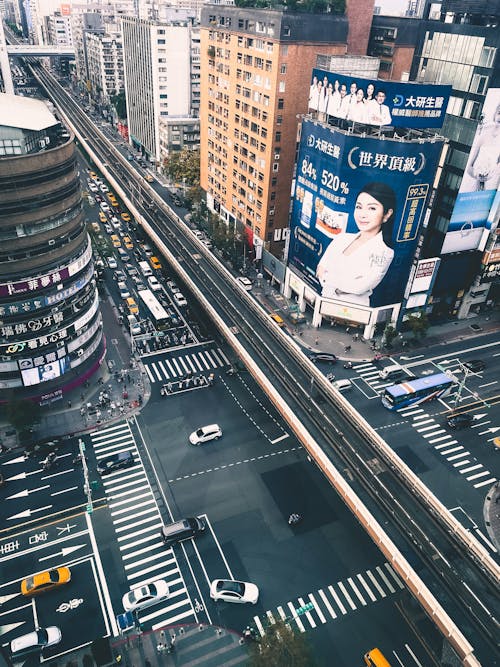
<point x="357" y="213"/>
<point x="424" y="275"/>
<point x="476" y="197"/>
<point x="45" y="372"/>
<point x="378" y="102"/>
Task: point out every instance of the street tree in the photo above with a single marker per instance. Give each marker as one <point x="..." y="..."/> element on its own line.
<point x="281" y="646"/>
<point x="184" y="166"/>
<point x="390" y="334"/>
<point x="418" y="323"/>
<point x="120" y="104"/>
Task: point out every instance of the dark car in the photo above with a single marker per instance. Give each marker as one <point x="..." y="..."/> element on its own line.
<point x="475" y="365"/>
<point x="115" y="462"/>
<point x="460" y="420"/>
<point x="179" y="531"/>
<point x="329" y="357"/>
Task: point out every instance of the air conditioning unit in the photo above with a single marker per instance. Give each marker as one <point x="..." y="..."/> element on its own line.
<point x="276" y="156"/>
<point x="271" y="211"/>
<point x="80" y="352"/>
<point x="52" y="242"/>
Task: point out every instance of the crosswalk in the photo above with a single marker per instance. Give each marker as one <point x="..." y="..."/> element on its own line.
<point x="336" y="600"/>
<point x="371" y="384"/>
<point x="442" y="442"/>
<point x="181" y="363"/>
<point x="137" y="522"/>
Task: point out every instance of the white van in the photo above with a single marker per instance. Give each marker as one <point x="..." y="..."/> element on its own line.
<point x="146" y="270"/>
<point x="390" y="372"/>
<point x="134" y="326"/>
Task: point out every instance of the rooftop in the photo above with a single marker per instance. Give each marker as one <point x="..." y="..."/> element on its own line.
<point x="25" y="113"/>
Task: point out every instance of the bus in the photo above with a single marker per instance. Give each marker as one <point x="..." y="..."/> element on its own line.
<point x="157" y="312"/>
<point x="416" y="391"/>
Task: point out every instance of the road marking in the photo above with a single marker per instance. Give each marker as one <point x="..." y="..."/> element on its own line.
<point x="461" y="463"/>
<point x="376" y="584"/>
<point x="259" y="625"/>
<point x="27" y="513"/>
<point x="58" y="493"/>
<point x="367" y="589"/>
<point x="488" y="481"/>
<point x="346" y="595"/>
<point x="356" y="591"/>
<point x="317" y="609"/>
<point x="11" y="626"/>
<point x="337" y="600"/>
<point x="450" y="451"/>
<point x="427" y="428"/>
<point x="386" y="580"/>
<point x="102" y="577"/>
<point x="296" y="618"/>
<point x="475" y="467"/>
<point x="430" y="435"/>
<point x="394" y="575"/>
<point x="459" y="456"/>
<point x="443" y="437"/>
<point x="326" y="603"/>
<point x="488" y="384"/>
<point x="445" y="444"/>
<point x="478" y="474"/>
<point x="282" y="437"/>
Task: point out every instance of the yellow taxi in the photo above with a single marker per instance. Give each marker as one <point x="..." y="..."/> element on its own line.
<point x="496" y="442"/>
<point x="155" y="262"/>
<point x="102" y="216"/>
<point x="125" y="217"/>
<point x="92" y="175"/>
<point x="95" y="227"/>
<point x="128" y="243"/>
<point x="132" y="306"/>
<point x="115" y="240"/>
<point x="45" y="581"/>
<point x="149" y="178"/>
<point x="278" y="319"/>
<point x="114" y="203"/>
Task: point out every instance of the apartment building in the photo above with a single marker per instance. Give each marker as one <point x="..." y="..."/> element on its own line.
<point x="255" y="80"/>
<point x="105" y="65"/>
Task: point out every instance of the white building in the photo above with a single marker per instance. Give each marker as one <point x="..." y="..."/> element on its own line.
<point x="105" y="65"/>
<point x="58" y="30"/>
<point x="158" y="72"/>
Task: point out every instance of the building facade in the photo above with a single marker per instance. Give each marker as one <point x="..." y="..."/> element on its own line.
<point x="51" y="337"/>
<point x="255" y="81"/>
<point x="105" y="65"/>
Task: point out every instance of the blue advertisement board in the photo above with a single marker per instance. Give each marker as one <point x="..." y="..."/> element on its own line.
<point x="357" y="213"/>
<point x="377" y="102"/>
<point x="478" y="189"/>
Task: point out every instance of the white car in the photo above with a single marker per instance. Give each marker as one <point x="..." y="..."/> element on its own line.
<point x="124" y="290"/>
<point x="105" y="207"/>
<point x="154" y="283"/>
<point x="104" y="187"/>
<point x="112" y="263"/>
<point x="342" y="385"/>
<point x="93" y="187"/>
<point x="229" y="590"/>
<point x="244" y="282"/>
<point x="35" y="641"/>
<point x="145" y="596"/>
<point x="180" y="299"/>
<point x="205" y="433"/>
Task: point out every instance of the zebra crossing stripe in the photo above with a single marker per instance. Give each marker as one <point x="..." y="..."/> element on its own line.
<point x="209" y="355"/>
<point x="188" y="359"/>
<point x="128" y="526"/>
<point x="151" y="378"/>
<point x="394" y="575"/>
<point x="479" y="474"/>
<point x="171" y="368"/>
<point x="355" y="589"/>
<point x="300" y="625"/>
<point x="202" y="358"/>
<point x="458" y="456"/>
<point x="327" y="603"/>
<point x="308" y="613"/>
<point x="281" y="612"/>
<point x="154" y="536"/>
<point x="223" y="356"/>
<point x="164" y="370"/>
<point x="179" y="372"/>
<point x="143" y="540"/>
<point x="337" y="600"/>
<point x="112" y="495"/>
<point x="196" y="360"/>
<point x="219" y="362"/>
<point x="365" y="586"/>
<point x="376" y="584"/>
<point x="186" y="369"/>
<point x="156" y="371"/>
<point x="346" y="595"/>
<point x="386" y="580"/>
<point x="461" y="463"/>
<point x="445" y="452"/>
<point x="427" y="428"/>
<point x="317" y="608"/>
<point x="259" y="625"/>
<point x="471" y="468"/>
<point x="127" y="500"/>
<point x="158" y="556"/>
<point x="491" y="480"/>
<point x="129" y="516"/>
<point x="270" y="618"/>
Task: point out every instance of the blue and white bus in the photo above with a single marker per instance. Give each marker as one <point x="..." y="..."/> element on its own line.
<point x="419" y="390"/>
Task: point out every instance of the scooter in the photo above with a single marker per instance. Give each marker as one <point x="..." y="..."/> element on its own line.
<point x="348" y="364"/>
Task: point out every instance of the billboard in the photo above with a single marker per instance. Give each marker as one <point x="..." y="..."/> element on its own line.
<point x="471" y="214"/>
<point x="377" y="102"/>
<point x="32" y="375"/>
<point x="358" y="210"/>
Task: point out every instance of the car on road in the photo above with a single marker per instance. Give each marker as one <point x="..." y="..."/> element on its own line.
<point x="115" y="462"/>
<point x="327" y="357"/>
<point x="145" y="596"/>
<point x="244" y="282"/>
<point x="115" y="240"/>
<point x="125" y="217"/>
<point x="342" y="385"/>
<point x="112" y="263"/>
<point x="149" y="178"/>
<point x="124" y="290"/>
<point x="102" y="216"/>
<point x="128" y="243"/>
<point x="104" y="188"/>
<point x="93" y="187"/>
<point x="105" y="207"/>
<point x="45" y="581"/>
<point x="155" y="262"/>
<point x="34" y="642"/>
<point x="92" y="175"/>
<point x="278" y="319"/>
<point x="132" y="306"/>
<point x="229" y="590"/>
<point x="475" y="365"/>
<point x="154" y="283"/>
<point x="205" y="434"/>
<point x="133" y="325"/>
<point x="172" y="286"/>
<point x="460" y="420"/>
<point x="180" y="299"/>
<point x="185" y="529"/>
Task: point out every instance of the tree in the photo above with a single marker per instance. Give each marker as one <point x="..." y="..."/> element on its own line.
<point x="281" y="647"/>
<point x="22" y="414"/>
<point x="418" y="324"/>
<point x="184" y="166"/>
<point x="120" y="104"/>
<point x="390" y="334"/>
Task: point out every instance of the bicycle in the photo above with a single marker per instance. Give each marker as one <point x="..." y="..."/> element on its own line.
<point x="198" y="606"/>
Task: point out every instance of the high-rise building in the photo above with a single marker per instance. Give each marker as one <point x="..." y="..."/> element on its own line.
<point x="160" y="76"/>
<point x="255" y="81"/>
<point x="105" y="65"/>
<point x="51" y="337"/>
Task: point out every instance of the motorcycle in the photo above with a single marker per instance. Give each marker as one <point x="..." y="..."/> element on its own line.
<point x="294" y="519"/>
<point x="348" y="364"/>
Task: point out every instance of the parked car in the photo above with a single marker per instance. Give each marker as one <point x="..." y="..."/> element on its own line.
<point x="229" y="590"/>
<point x="45" y="581"/>
<point x="205" y="434"/>
<point x="475" y="365"/>
<point x="145" y="596"/>
<point x="115" y="462"/>
<point x="329" y="357"/>
<point x="460" y="420"/>
<point x="244" y="282"/>
<point x="342" y="385"/>
<point x="278" y="319"/>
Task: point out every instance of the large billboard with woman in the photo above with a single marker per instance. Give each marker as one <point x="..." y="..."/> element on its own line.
<point x="358" y="210"/>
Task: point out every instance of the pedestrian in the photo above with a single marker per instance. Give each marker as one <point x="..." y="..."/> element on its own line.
<point x="82" y="397"/>
<point x="128" y="378"/>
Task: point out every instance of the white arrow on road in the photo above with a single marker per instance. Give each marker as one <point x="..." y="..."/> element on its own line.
<point x="64" y="552"/>
<point x="28" y="513"/>
<point x="493" y="429"/>
<point x="11" y="626"/>
<point x="479" y="416"/>
<point x="22" y="475"/>
<point x="19" y="459"/>
<point x="26" y="492"/>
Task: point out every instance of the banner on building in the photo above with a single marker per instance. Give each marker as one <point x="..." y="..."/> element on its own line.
<point x="357" y="213"/>
<point x="478" y="190"/>
<point x="378" y="102"/>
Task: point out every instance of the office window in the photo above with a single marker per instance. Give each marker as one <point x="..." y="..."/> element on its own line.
<point x="284" y="49"/>
<point x="281" y="103"/>
<point x="281" y="87"/>
<point x="277" y="138"/>
<point x="283" y="68"/>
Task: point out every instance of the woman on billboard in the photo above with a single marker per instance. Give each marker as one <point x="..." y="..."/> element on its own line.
<point x="354" y="264"/>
